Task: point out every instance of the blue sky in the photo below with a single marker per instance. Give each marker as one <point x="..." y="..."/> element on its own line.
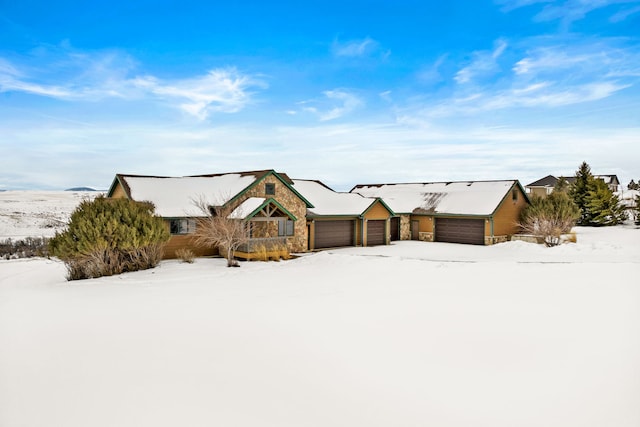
<point x="347" y="92"/>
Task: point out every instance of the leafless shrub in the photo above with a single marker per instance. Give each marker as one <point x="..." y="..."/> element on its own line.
<point x="186" y="255"/>
<point x="24" y="248"/>
<point x="550" y="217"/>
<point x="219" y="229"/>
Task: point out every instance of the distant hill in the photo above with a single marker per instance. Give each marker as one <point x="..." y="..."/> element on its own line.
<point x="81" y="189"/>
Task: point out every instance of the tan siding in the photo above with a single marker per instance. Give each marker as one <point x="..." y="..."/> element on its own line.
<point x="185" y="241"/>
<point x="377" y="211"/>
<point x="505" y="220"/>
<point x="118" y="192"/>
<point x="538" y="192"/>
<point x="426" y="223"/>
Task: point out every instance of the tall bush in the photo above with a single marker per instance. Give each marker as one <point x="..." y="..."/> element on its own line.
<point x="550" y="217"/>
<point x="110" y="236"/>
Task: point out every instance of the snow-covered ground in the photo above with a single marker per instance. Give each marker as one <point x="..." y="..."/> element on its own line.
<point x="411" y="334"/>
<point x="37" y="213"/>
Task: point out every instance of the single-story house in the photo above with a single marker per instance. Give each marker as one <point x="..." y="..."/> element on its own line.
<point x="544" y="186"/>
<point x="266" y="199"/>
<point x="473" y="212"/>
<point x="343" y="219"/>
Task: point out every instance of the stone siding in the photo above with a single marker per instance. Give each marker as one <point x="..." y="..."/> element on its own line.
<point x="405" y="227"/>
<point x="425" y="236"/>
<point x="291" y="202"/>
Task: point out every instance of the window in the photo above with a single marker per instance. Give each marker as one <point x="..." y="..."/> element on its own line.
<point x="182" y="226"/>
<point x="285" y="227"/>
<point x="514" y="195"/>
<point x="270" y="189"/>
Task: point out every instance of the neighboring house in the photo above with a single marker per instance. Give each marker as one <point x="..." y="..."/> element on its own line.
<point x="544" y="186"/>
<point x="612" y="181"/>
<point x="628" y="199"/>
<point x="473" y="212"/>
<point x="276" y="210"/>
<point x="343" y="219"/>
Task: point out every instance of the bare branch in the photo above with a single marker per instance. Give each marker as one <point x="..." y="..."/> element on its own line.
<point x="218" y="229"/>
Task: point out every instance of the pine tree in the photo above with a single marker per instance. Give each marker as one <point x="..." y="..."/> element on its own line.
<point x="603" y="206"/>
<point x="562" y="185"/>
<point x="580" y="190"/>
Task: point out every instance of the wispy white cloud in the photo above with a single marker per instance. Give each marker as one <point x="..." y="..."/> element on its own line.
<point x="348" y="103"/>
<point x="568" y="11"/>
<point x="580" y="61"/>
<point x="540" y="95"/>
<point x="357" y="48"/>
<point x="624" y="14"/>
<point x="220" y="90"/>
<point x="509" y="5"/>
<point x="431" y="73"/>
<point x="91" y="77"/>
<point x="483" y="63"/>
<point x="335" y="104"/>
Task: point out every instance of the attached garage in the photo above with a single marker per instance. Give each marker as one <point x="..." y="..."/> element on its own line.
<point x="376" y="232"/>
<point x="333" y="234"/>
<point x="460" y="230"/>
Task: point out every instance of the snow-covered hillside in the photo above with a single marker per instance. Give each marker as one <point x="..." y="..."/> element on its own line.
<point x="410" y="334"/>
<point x="37" y="213"/>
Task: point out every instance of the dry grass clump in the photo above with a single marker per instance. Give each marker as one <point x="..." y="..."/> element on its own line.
<point x="186" y="255"/>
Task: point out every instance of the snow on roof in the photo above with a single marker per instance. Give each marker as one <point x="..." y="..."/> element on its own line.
<point x="247" y="207"/>
<point x="460" y="198"/>
<point x="329" y="202"/>
<point x="177" y="197"/>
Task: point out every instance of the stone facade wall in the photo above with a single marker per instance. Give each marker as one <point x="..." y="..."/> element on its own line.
<point x="291" y="202"/>
<point x="425" y="236"/>
<point x="405" y="227"/>
<point x="490" y="240"/>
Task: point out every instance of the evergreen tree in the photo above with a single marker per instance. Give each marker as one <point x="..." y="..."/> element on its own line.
<point x="580" y="191"/>
<point x="562" y="185"/>
<point x="110" y="236"/>
<point x="632" y="185"/>
<point x="603" y="206"/>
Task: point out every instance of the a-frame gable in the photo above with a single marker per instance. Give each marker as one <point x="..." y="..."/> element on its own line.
<point x="507" y="196"/>
<point x="261" y="179"/>
<point x="120" y="182"/>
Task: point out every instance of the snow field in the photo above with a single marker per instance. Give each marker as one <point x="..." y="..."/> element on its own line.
<point x="411" y="334"/>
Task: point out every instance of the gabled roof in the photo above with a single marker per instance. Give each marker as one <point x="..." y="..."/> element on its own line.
<point x="550" y="180"/>
<point x="176" y="196"/>
<point x="547" y="181"/>
<point x="253" y="205"/>
<point x="328" y="202"/>
<point x="608" y="179"/>
<point x="481" y="198"/>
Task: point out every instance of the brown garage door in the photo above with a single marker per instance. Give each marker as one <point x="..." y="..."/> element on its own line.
<point x="395" y="229"/>
<point x="458" y="230"/>
<point x="375" y="232"/>
<point x="333" y="234"/>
